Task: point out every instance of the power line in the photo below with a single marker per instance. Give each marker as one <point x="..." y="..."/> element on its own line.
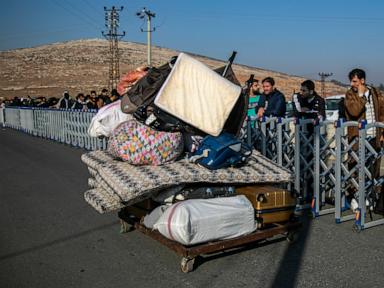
<point x="112" y="22"/>
<point x="76" y="13"/>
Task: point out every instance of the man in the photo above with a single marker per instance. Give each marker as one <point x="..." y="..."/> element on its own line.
<point x="81" y="103"/>
<point x="308" y="104"/>
<point x="254" y="97"/>
<point x="65" y="102"/>
<point x="363" y="102"/>
<point x="114" y="96"/>
<point x="272" y="101"/>
<point x="105" y="95"/>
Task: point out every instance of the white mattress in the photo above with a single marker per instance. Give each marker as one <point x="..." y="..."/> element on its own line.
<point x="197" y="95"/>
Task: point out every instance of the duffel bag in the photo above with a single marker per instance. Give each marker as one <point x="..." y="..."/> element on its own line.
<point x="139" y="144"/>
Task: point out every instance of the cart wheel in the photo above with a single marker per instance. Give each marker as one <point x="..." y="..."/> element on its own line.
<point x="186" y="264"/>
<point x="292" y="237"/>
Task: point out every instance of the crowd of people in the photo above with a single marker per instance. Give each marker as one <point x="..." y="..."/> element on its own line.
<point x="361" y="102"/>
<point x="82" y="102"/>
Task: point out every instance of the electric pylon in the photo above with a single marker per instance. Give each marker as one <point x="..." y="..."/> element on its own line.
<point x="322" y="77"/>
<point x="112" y="19"/>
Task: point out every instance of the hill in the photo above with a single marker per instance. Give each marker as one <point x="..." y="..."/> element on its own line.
<point x="82" y="66"/>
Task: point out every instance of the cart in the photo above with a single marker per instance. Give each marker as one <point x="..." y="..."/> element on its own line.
<point x="133" y="216"/>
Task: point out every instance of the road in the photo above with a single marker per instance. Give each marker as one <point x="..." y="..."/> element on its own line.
<point x="50" y="237"/>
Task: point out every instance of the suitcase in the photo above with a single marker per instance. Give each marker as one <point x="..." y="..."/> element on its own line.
<point x="271" y="204"/>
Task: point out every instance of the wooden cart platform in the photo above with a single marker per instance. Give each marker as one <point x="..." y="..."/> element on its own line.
<point x="189" y="253"/>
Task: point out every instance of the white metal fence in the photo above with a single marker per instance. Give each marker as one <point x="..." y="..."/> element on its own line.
<point x="64" y="126"/>
<point x="317" y="153"/>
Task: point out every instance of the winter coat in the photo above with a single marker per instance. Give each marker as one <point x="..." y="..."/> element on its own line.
<point x="274" y="104"/>
<point x="355" y="111"/>
<point x="317" y="104"/>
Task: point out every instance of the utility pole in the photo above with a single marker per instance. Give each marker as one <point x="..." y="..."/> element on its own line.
<point x="146" y="13"/>
<point x="322" y="77"/>
<point x="112" y="19"/>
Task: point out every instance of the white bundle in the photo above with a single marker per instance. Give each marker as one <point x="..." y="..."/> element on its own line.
<point x="202" y="220"/>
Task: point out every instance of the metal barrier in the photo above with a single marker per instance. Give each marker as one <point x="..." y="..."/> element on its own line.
<point x="368" y="183"/>
<point x="319" y="155"/>
<point x="324" y="167"/>
<point x="345" y="173"/>
<point x="64" y="126"/>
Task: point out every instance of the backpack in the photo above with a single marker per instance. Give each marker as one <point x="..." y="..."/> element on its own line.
<point x="222" y="151"/>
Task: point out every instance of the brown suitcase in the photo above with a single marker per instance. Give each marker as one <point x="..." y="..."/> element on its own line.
<point x="271" y="204"/>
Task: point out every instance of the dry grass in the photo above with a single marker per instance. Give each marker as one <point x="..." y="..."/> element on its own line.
<point x="82" y="66"/>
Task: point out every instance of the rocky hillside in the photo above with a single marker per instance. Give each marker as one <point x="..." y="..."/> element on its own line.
<point x="82" y="66"/>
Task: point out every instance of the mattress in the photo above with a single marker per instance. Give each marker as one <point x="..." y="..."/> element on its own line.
<point x="197" y="95"/>
<point x="115" y="184"/>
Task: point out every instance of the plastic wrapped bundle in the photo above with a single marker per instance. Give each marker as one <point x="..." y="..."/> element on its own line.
<point x="201" y="220"/>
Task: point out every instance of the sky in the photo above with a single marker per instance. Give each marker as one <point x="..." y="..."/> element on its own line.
<point x="298" y="37"/>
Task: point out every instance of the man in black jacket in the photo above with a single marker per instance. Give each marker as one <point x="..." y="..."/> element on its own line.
<point x="272" y="101"/>
<point x="308" y="104"/>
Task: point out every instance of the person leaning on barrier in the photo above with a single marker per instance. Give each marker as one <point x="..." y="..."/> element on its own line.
<point x="308" y="104"/>
<point x="81" y="103"/>
<point x="272" y="101"/>
<point x="65" y="102"/>
<point x="92" y="100"/>
<point x="254" y="97"/>
<point x="105" y="96"/>
<point x="363" y="102"/>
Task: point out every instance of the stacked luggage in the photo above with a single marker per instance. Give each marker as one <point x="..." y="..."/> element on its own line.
<point x="180" y="149"/>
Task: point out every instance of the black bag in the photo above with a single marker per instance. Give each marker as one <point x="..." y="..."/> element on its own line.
<point x="206" y="192"/>
<point x="143" y="93"/>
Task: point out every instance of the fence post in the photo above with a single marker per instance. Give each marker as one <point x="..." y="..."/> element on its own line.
<point x="316" y="181"/>
<point x="280" y="142"/>
<point x="297" y="157"/>
<point x="360" y="212"/>
<point x="264" y="136"/>
<point x="338" y="171"/>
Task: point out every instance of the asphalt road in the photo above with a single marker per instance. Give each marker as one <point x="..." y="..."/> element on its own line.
<point x="50" y="237"/>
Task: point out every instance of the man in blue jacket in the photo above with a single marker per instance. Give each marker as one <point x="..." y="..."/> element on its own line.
<point x="272" y="101"/>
